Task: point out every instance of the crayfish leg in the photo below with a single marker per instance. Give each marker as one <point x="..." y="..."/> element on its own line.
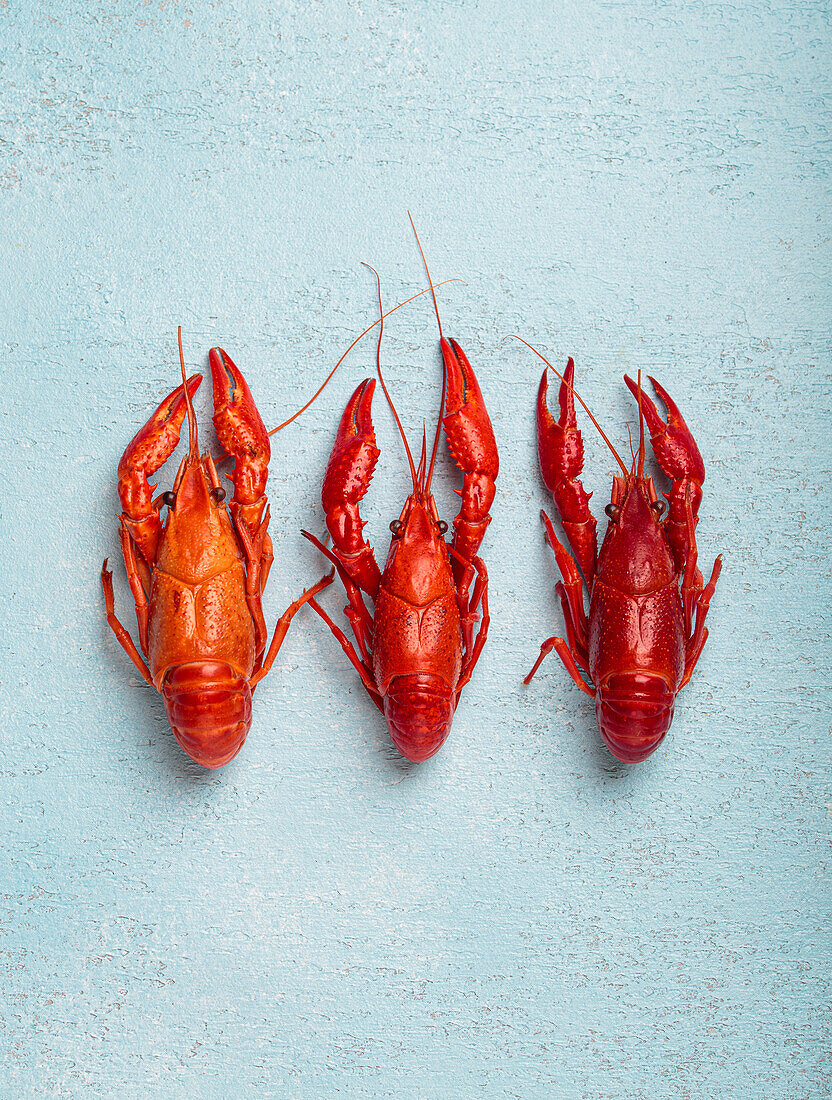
<point x="126" y="642"/>
<point x="563" y="651"/>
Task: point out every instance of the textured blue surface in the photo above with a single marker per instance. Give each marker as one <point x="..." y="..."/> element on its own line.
<point x="642" y="185"/>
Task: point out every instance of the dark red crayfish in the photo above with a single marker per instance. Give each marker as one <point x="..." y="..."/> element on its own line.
<point x="647" y="604"/>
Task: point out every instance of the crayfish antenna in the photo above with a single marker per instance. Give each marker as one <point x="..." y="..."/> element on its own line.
<point x="193" y="434"/>
<point x="586" y="407"/>
<point x="424" y="261"/>
<point x="358" y="339"/>
<point x="380" y="322"/>
<point x="444" y="371"/>
<point x="640" y="430"/>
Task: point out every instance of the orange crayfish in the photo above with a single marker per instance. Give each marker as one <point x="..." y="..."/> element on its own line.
<point x="645" y="631"/>
<point x="417" y="650"/>
<point x="197" y="581"/>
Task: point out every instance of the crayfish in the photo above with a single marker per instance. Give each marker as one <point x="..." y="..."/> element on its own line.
<point x="417" y="650"/>
<point x="197" y="581"/>
<point x="645" y="630"/>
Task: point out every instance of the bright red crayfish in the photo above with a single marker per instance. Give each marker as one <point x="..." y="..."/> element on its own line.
<point x="197" y="582"/>
<point x="643" y="636"/>
<point x="417" y="650"/>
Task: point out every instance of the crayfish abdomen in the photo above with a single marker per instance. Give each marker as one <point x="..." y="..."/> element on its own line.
<point x="419" y="708"/>
<point x="634" y="712"/>
<point x="208" y="706"/>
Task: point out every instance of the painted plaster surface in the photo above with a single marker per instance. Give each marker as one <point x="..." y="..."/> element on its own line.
<point x="642" y="185"/>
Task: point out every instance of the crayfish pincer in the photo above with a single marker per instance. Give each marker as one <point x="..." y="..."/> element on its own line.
<point x="197" y="580"/>
<point x="647" y="604"/>
<point x="417" y="650"/>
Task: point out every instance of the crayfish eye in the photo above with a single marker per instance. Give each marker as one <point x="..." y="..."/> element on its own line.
<point x="217" y="494"/>
<point x="612" y="510"/>
<point x="443" y="527"/>
<point x="169" y="498"/>
<point x="658" y="507"/>
<point x="396" y="526"/>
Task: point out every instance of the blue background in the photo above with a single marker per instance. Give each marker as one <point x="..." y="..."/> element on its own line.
<point x="642" y="185"/>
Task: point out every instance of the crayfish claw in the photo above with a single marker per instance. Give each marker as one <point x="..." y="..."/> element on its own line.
<point x="678" y="456"/>
<point x="673" y="445"/>
<point x="146" y="452"/>
<point x="474" y="449"/>
<point x="354" y="455"/>
<point x="560" y="448"/>
<point x="352" y="463"/>
<point x="560" y="443"/>
<point x="242" y="434"/>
